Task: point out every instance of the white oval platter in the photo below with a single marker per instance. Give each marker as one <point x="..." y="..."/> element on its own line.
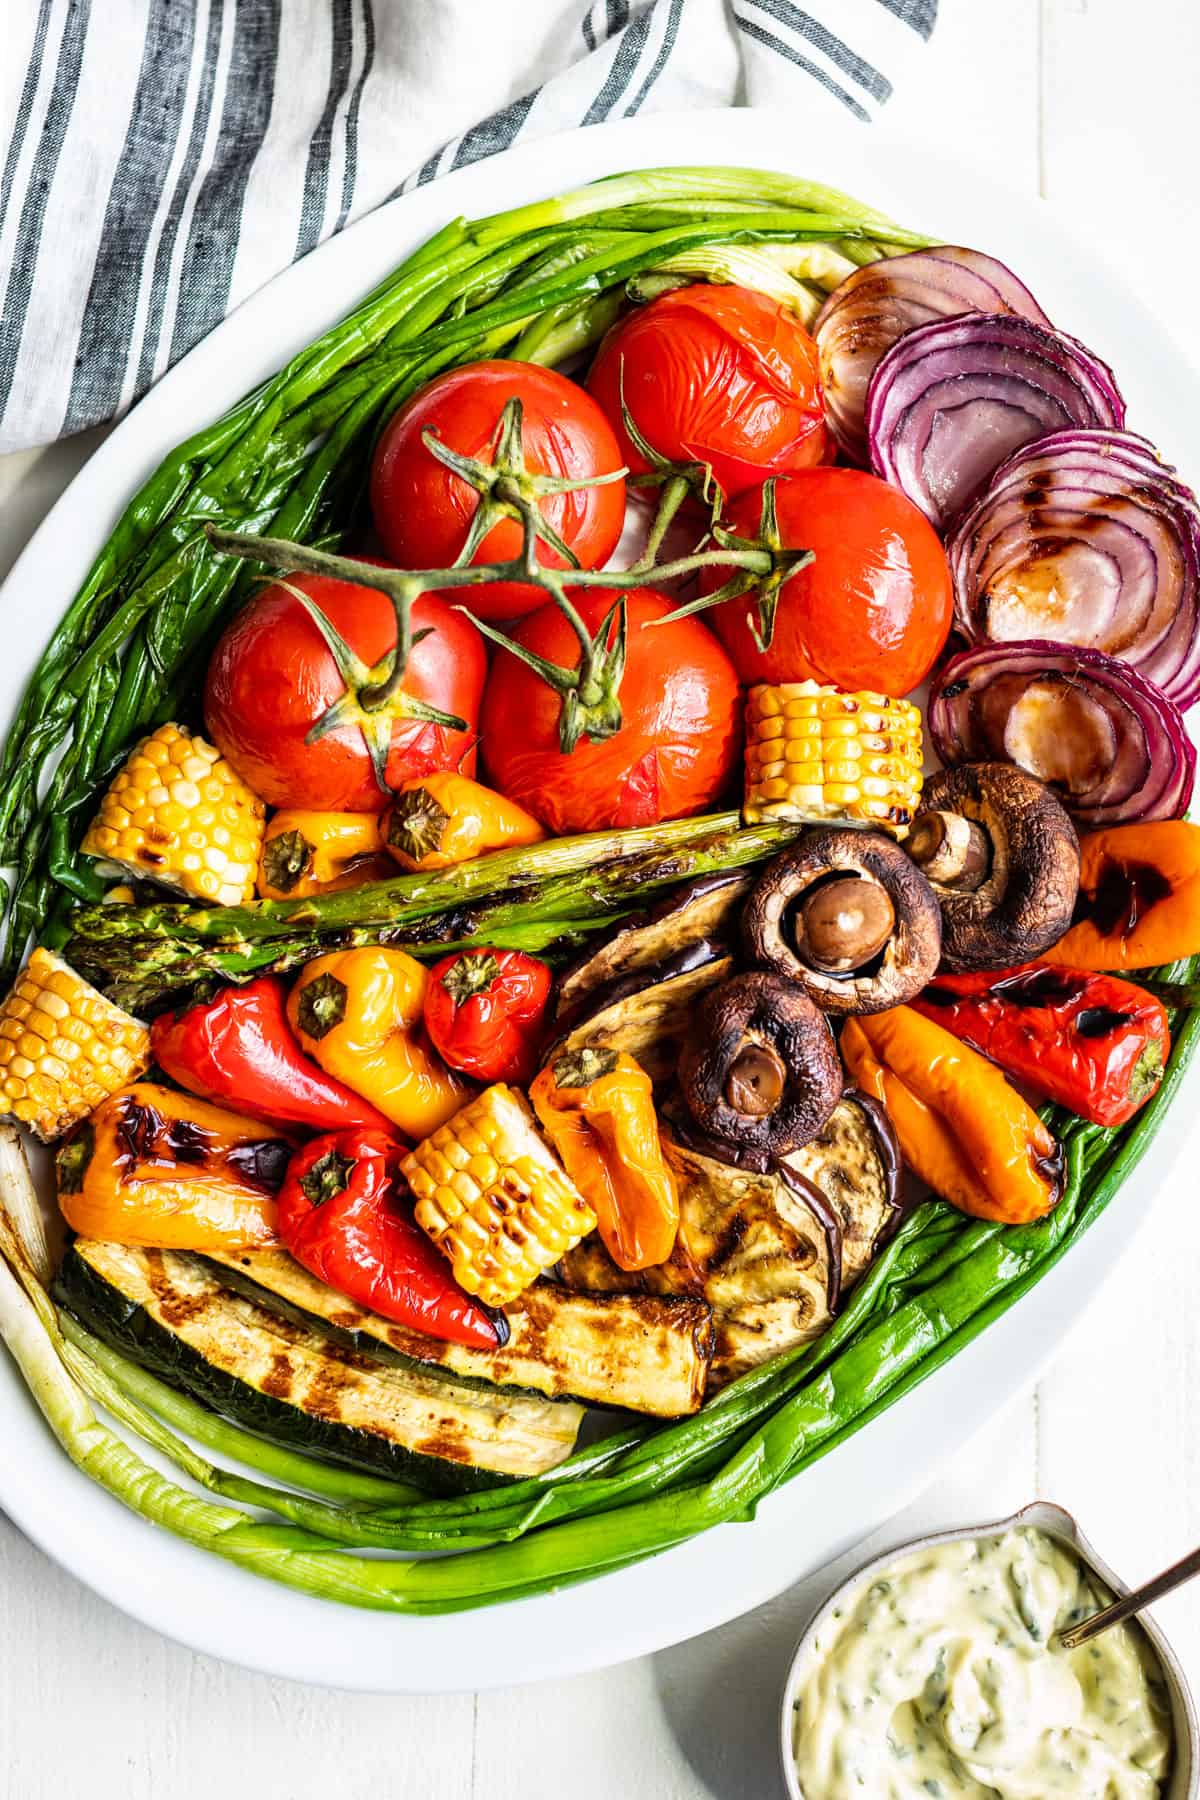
<point x="211" y="1606"/>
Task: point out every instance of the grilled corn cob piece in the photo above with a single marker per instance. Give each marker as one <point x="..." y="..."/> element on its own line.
<point x="494" y="1198"/>
<point x="177" y="814"/>
<point x="816" y="753"/>
<point x="63" y="1047"/>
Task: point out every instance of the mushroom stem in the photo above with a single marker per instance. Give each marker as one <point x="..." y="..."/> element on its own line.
<point x="756" y="1080"/>
<point x="843" y="922"/>
<point x="949" y="850"/>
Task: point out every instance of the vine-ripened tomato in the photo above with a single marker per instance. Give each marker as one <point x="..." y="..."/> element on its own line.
<point x="717" y="375"/>
<point x="272" y="677"/>
<point x="679" y="736"/>
<point x="423" y="510"/>
<point x="872" y="610"/>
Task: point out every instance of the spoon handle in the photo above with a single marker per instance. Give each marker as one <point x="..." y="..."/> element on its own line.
<point x="1150" y="1591"/>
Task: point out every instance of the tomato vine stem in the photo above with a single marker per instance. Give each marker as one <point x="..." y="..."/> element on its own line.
<point x="589" y="692"/>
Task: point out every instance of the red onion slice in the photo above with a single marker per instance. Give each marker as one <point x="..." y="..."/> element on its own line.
<point x="1086" y="538"/>
<point x="877" y="304"/>
<point x="951" y="401"/>
<point x="1112" y="747"/>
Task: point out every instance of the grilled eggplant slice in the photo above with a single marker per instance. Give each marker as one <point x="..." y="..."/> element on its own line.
<point x="170" y="1312"/>
<point x="699" y="917"/>
<point x="773" y="1249"/>
<point x="646" y="1015"/>
<point x="638" y="1352"/>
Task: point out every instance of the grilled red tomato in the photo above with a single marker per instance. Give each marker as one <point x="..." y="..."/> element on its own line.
<point x="872" y="610"/>
<point x="272" y="679"/>
<point x="680" y="726"/>
<point x="423" y="510"/>
<point x="716" y="375"/>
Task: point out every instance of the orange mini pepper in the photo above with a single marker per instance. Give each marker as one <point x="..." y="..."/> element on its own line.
<point x="154" y="1167"/>
<point x="597" y="1109"/>
<point x="359" y="1013"/>
<point x="319" y="852"/>
<point x="962" y="1128"/>
<point x="447" y="818"/>
<point x="1139" y="898"/>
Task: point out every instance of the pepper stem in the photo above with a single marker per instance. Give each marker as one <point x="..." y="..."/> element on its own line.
<point x="322" y="1005"/>
<point x="328" y="1177"/>
<point x="579" y="1068"/>
<point x="472" y="974"/>
<point x="416" y="823"/>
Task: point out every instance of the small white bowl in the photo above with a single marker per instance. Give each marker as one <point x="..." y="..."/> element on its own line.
<point x="1042" y="1516"/>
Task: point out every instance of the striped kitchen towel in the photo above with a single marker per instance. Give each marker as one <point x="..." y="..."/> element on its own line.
<point x="164" y="158"/>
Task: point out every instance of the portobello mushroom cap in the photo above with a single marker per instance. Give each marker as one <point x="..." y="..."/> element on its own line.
<point x="1022" y="901"/>
<point x="848" y="916"/>
<point x="759" y="1069"/>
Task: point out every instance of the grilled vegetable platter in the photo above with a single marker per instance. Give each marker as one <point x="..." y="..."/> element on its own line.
<point x="598" y="881"/>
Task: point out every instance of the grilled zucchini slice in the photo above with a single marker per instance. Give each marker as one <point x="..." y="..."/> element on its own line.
<point x="639" y="1352"/>
<point x="291" y="1383"/>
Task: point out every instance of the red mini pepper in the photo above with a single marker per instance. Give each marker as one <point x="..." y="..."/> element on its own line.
<point x="344" y="1213"/>
<point x="239" y="1047"/>
<point x="1094" y="1043"/>
<point x="484" y="1011"/>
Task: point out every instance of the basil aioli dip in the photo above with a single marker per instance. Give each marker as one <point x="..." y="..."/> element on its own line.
<point x="941" y="1677"/>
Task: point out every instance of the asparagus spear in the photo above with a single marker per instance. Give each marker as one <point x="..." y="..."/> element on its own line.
<point x="531" y="898"/>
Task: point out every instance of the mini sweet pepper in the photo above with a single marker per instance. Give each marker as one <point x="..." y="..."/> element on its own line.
<point x="484" y="1010"/>
<point x="447" y="818"/>
<point x="346" y="1214"/>
<point x="597" y="1109"/>
<point x="962" y="1128"/>
<point x="308" y="852"/>
<point x="238" y="1047"/>
<point x="359" y="1013"/>
<point x="154" y="1167"/>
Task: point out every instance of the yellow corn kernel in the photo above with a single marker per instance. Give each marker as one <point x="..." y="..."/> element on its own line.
<point x="63" y="1047"/>
<point x="814" y="753"/>
<point x="177" y="814"/>
<point x="494" y="1198"/>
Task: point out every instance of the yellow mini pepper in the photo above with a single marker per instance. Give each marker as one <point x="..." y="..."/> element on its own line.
<point x="447" y="818"/>
<point x="154" y="1167"/>
<point x="319" y="852"/>
<point x="597" y="1109"/>
<point x="359" y="1014"/>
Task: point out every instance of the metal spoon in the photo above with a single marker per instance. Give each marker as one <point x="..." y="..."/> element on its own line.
<point x="1150" y="1591"/>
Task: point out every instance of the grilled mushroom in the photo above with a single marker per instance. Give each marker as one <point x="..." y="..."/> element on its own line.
<point x="760" y="1070"/>
<point x="1002" y="857"/>
<point x="847" y="915"/>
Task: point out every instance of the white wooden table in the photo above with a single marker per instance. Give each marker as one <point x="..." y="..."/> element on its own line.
<point x="1090" y="102"/>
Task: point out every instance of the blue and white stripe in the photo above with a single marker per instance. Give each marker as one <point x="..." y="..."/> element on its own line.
<point x="162" y="159"/>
